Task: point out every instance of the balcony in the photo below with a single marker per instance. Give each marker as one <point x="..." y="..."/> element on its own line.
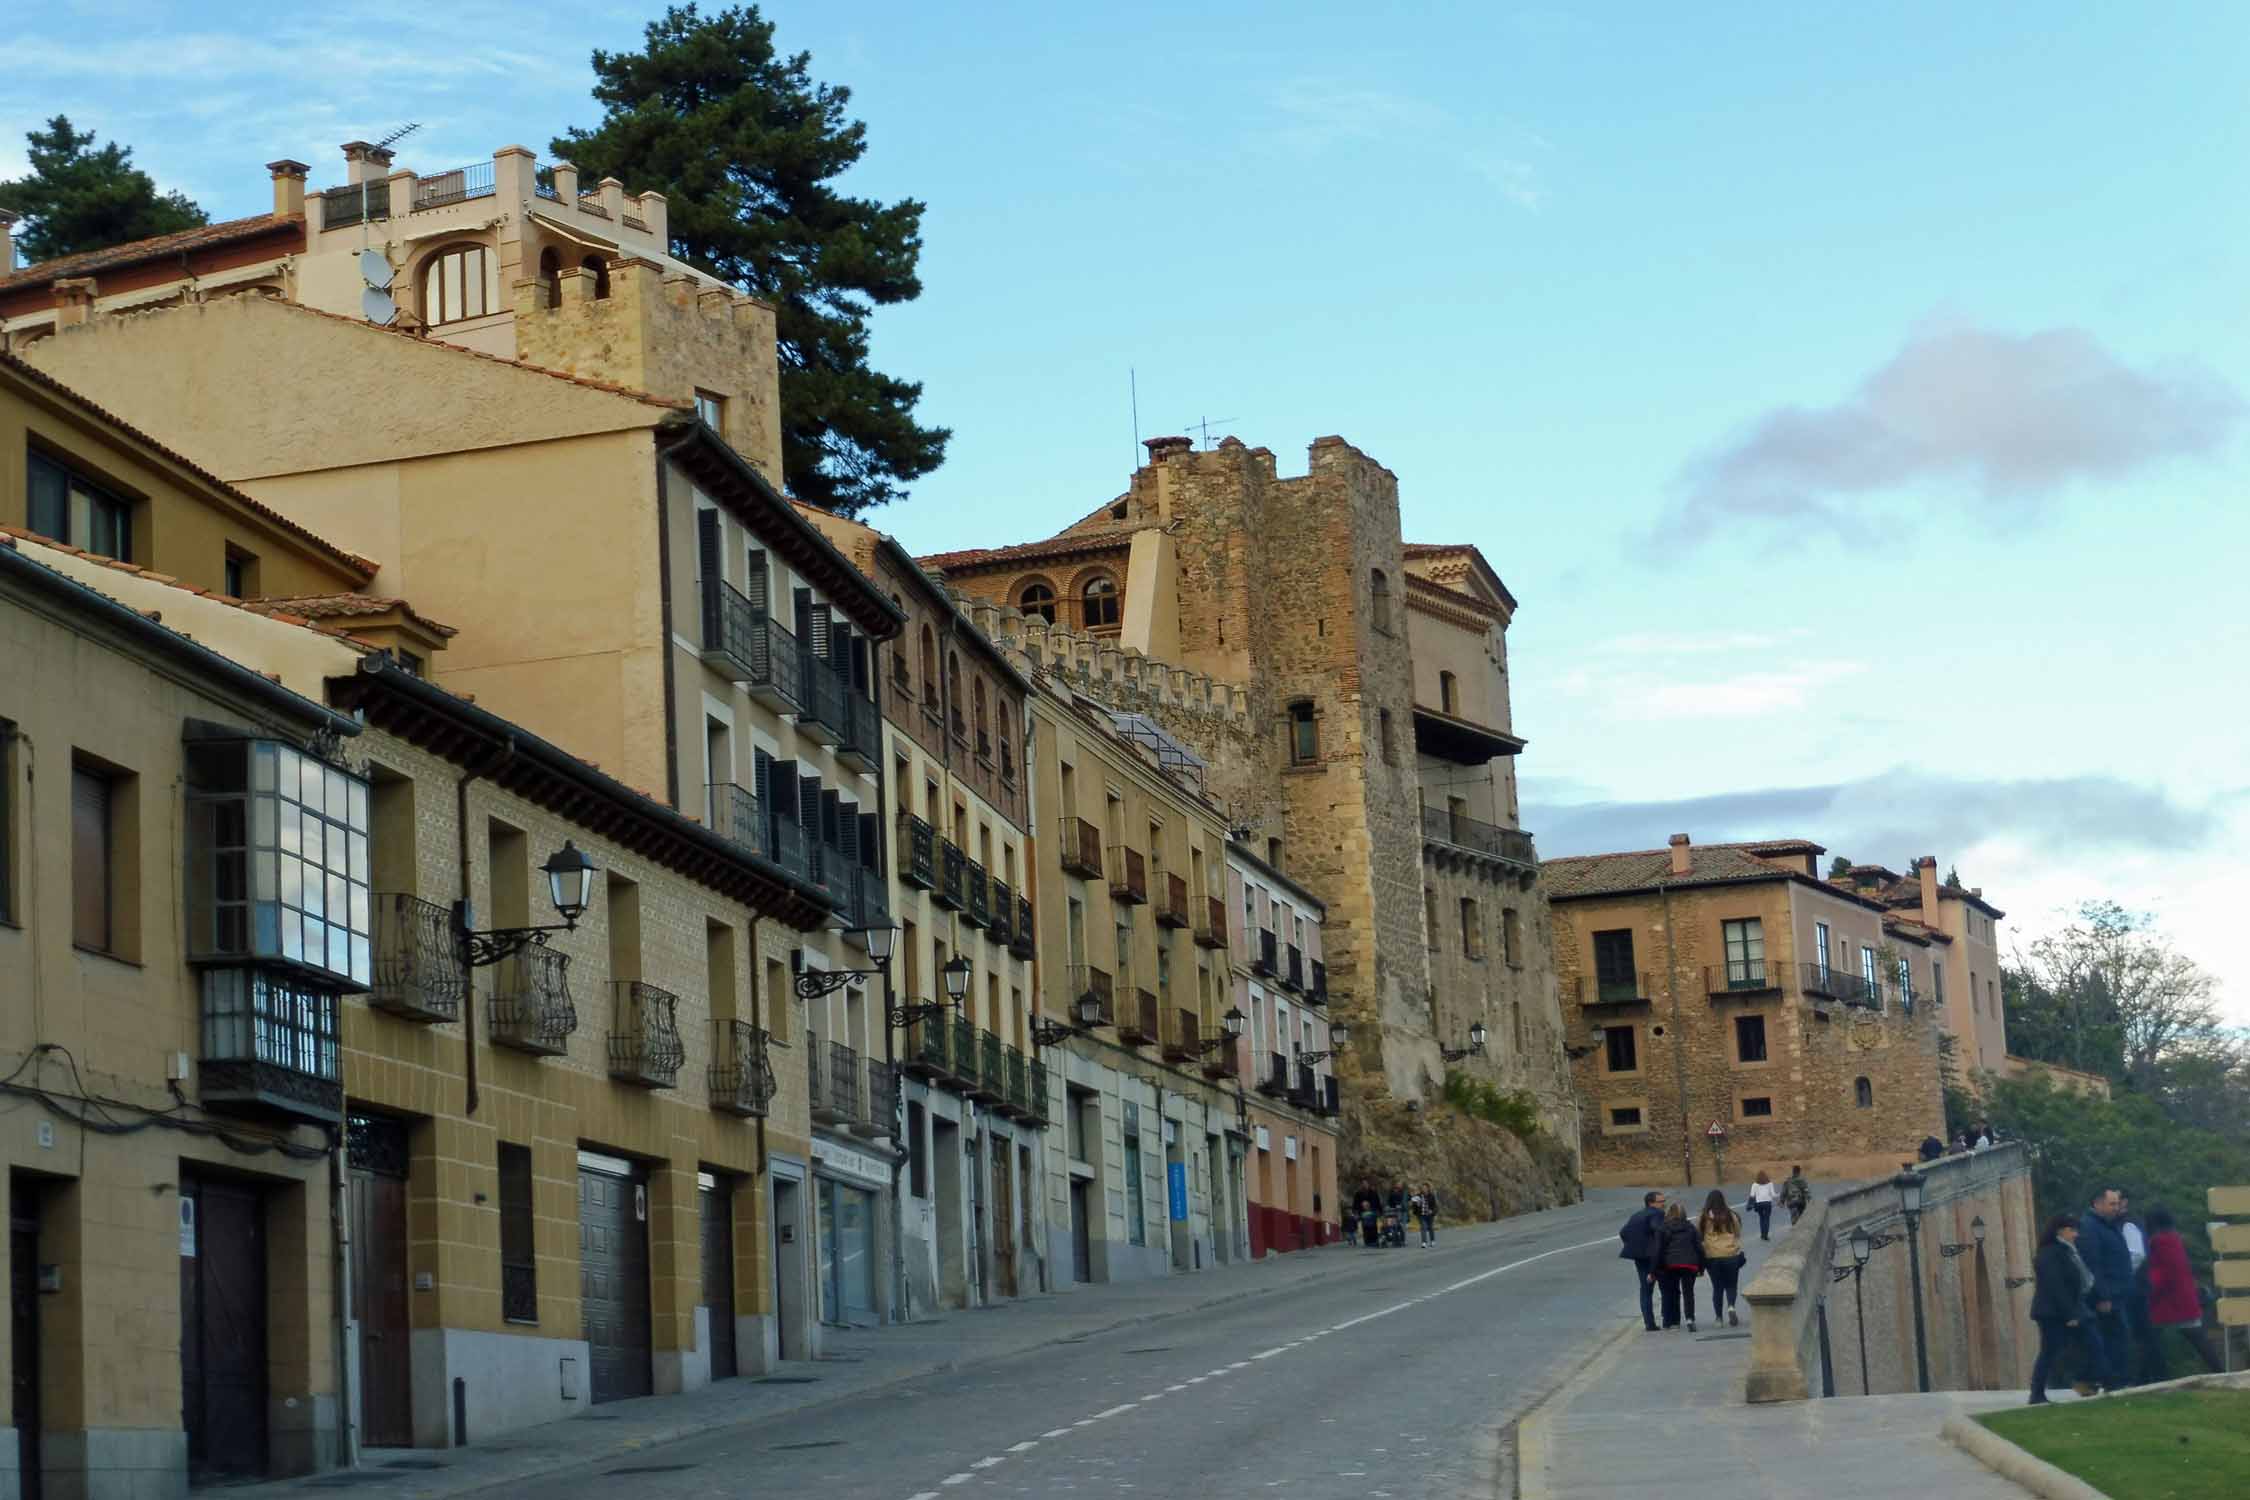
<point x="1273" y="1078"/>
<point x="862" y="745"/>
<point x="1211" y="932"/>
<point x="1484" y="841"/>
<point x="824" y="718"/>
<point x="1318" y="993"/>
<point x="1821" y="982"/>
<point x="977" y="909"/>
<point x="1003" y="920"/>
<point x="741" y="1076"/>
<point x="644" y="1035"/>
<point x="269" y="1047"/>
<point x="417" y="974"/>
<point x="925" y="1054"/>
<point x="1171" y="902"/>
<point x="881" y="1115"/>
<point x="1081" y="849"/>
<point x="832" y="1070"/>
<point x="1615" y="989"/>
<point x="1304" y="1091"/>
<point x="530" y="1008"/>
<point x="1742" y="976"/>
<point x="870" y="906"/>
<point x="1016" y="1101"/>
<point x="457" y="186"/>
<point x="1024" y="942"/>
<point x="965" y="1055"/>
<point x="1036" y="1104"/>
<point x="1181" y="1038"/>
<point x="792" y="851"/>
<point x="1265" y="960"/>
<point x="750" y="647"/>
<point x="1089" y="983"/>
<point x="953" y="876"/>
<point x="833" y="873"/>
<point x="735" y="814"/>
<point x="1128" y="881"/>
<point x="1331" y="1103"/>
<point x="1141" y="1022"/>
<point x="992" y="1069"/>
<point x="1293" y="972"/>
<point x="358" y="204"/>
<point x="917" y="853"/>
<point x="1222" y="1062"/>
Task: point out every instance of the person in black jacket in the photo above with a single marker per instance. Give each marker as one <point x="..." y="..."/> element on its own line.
<point x="1639" y="1237"/>
<point x="2101" y="1245"/>
<point x="1679" y="1260"/>
<point x="1366" y="1207"/>
<point x="2058" y="1300"/>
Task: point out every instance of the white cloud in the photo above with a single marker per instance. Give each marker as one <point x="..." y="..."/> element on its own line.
<point x="1695" y="643"/>
<point x="1314" y="115"/>
<point x="1650" y="697"/>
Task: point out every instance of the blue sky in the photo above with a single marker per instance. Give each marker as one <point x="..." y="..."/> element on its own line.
<point x="1856" y="403"/>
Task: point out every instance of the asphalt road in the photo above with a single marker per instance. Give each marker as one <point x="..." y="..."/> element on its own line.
<point x="1394" y="1379"/>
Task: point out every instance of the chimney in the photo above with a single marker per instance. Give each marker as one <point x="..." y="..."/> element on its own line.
<point x="359" y="162"/>
<point x="288" y="187"/>
<point x="7" y="241"/>
<point x="1680" y="862"/>
<point x="1926" y="867"/>
<point x="1162" y="448"/>
<point x="74" y="300"/>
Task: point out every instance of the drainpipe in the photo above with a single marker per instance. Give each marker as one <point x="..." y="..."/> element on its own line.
<point x="757" y="1020"/>
<point x="501" y="755"/>
<point x="340" y="1235"/>
<point x="1679" y="1042"/>
<point x="899" y="1309"/>
<point x="664" y="610"/>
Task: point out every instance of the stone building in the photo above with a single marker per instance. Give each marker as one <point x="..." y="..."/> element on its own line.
<point x="1966" y="985"/>
<point x="1371" y="758"/>
<point x="1732" y="1011"/>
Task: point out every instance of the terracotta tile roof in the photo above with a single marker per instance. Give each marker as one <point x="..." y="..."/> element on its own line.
<point x="365" y="567"/>
<point x="1651" y="870"/>
<point x="345" y="607"/>
<point x="203" y="237"/>
<point x="1068" y="545"/>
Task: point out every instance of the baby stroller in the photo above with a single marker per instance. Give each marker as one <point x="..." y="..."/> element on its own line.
<point x="1394" y="1227"/>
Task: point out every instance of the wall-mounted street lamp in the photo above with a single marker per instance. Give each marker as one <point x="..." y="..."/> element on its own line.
<point x="1909" y="1185"/>
<point x="1231" y="1025"/>
<point x="1474" y="1049"/>
<point x="1975" y="1241"/>
<point x="812" y="984"/>
<point x="1339" y="1037"/>
<point x="570" y="886"/>
<point x="1596" y="1039"/>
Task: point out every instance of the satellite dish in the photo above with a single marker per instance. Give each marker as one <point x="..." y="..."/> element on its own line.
<point x="375" y="268"/>
<point x="376" y="306"/>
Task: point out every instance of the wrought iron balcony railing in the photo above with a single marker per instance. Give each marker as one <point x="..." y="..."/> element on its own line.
<point x="1265" y="959"/>
<point x="1141" y="1022"/>
<point x="862" y="745"/>
<point x="1487" y="839"/>
<point x="1224" y="1061"/>
<point x="1822" y="981"/>
<point x="531" y="1009"/>
<point x="741" y="1077"/>
<point x="832" y="1071"/>
<point x="1741" y="976"/>
<point x="1182" y="1038"/>
<point x="1171" y="902"/>
<point x="1318" y="991"/>
<point x="1293" y="971"/>
<point x="1002" y="925"/>
<point x="417" y="971"/>
<point x="825" y="718"/>
<point x="1023" y="943"/>
<point x="1273" y="1078"/>
<point x="792" y="851"/>
<point x="1128" y="879"/>
<point x="992" y="1068"/>
<point x="735" y="814"/>
<point x="977" y="909"/>
<point x="925" y="1053"/>
<point x="1038" y="1102"/>
<point x="870" y="905"/>
<point x="462" y="183"/>
<point x="1090" y="983"/>
<point x="1211" y="932"/>
<point x="917" y="852"/>
<point x="833" y="873"/>
<point x="644" y="1035"/>
<point x="1614" y="989"/>
<point x="1305" y="1090"/>
<point x="965" y="1056"/>
<point x="1081" y="848"/>
<point x="751" y="647"/>
<point x="881" y="1114"/>
<point x="1018" y="1100"/>
<point x="952" y="891"/>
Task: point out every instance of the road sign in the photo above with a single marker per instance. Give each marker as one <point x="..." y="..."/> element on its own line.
<point x="1716" y="1131"/>
<point x="1175" y="1174"/>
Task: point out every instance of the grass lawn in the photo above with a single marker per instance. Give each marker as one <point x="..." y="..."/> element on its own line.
<point x="2180" y="1445"/>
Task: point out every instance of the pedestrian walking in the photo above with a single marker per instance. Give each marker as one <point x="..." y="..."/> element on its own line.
<point x="1368" y="1207"/>
<point x="1723" y="1256"/>
<point x="2173" y="1299"/>
<point x="1641" y="1239"/>
<point x="2058" y="1301"/>
<point x="1796" y="1194"/>
<point x="1425" y="1214"/>
<point x="1763" y="1194"/>
<point x="2148" y="1360"/>
<point x="2101" y="1245"/>
<point x="1679" y="1261"/>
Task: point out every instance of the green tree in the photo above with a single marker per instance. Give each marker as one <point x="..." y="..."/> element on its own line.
<point x="1839" y="867"/>
<point x="79" y="197"/>
<point x="746" y="147"/>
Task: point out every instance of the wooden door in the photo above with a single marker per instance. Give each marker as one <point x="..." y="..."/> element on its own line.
<point x="223" y="1329"/>
<point x="613" y="1282"/>
<point x="23" y="1305"/>
<point x="1003" y="1220"/>
<point x="718" y="1275"/>
<point x="1081" y="1234"/>
<point x="378" y="1154"/>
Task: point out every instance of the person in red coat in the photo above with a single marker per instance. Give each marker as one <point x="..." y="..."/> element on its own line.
<point x="2173" y="1301"/>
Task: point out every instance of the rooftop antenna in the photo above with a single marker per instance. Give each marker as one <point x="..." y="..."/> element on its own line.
<point x="375" y="301"/>
<point x="1206" y="424"/>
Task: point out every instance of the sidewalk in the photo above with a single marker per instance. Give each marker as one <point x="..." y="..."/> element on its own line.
<point x="1663" y="1413"/>
<point x="856" y="1362"/>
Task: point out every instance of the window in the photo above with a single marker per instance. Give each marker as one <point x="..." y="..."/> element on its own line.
<point x="1906" y="983"/>
<point x="1750" y="1039"/>
<point x="1746" y="953"/>
<point x="1937" y="983"/>
<point x="1625" y="1115"/>
<point x="1614" y="976"/>
<point x="272" y="1019"/>
<point x="983" y="720"/>
<point x="1867" y="972"/>
<point x="1757" y="1107"/>
<point x="712" y="408"/>
<point x="1515" y="1024"/>
<point x="1383" y="729"/>
<point x="1379" y="594"/>
<point x="1511" y="937"/>
<point x="73" y="509"/>
<point x="278" y="849"/>
<point x="1136" y="1229"/>
<point x="1083" y="1120"/>
<point x="519" y="1260"/>
<point x="1448" y="699"/>
<point x="550" y="277"/>
<point x="1620" y="1049"/>
<point x="241" y="574"/>
<point x="1304" y="734"/>
<point x="1863" y="1093"/>
<point x="7" y="828"/>
<point x="1101" y="602"/>
<point x="1992" y="996"/>
<point x="455" y="285"/>
<point x="93" y="874"/>
<point x="1429" y="916"/>
<point x="1820" y="946"/>
<point x="409" y="662"/>
<point x="1037" y="599"/>
<point x="1472" y="929"/>
<point x="598" y="268"/>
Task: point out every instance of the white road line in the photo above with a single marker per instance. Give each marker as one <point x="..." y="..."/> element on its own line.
<point x="1102" y="1416"/>
<point x="986" y="1463"/>
<point x="923" y="1495"/>
<point x="1270" y="1353"/>
<point x="1025" y="1444"/>
<point x="1056" y="1432"/>
<point x="953" y="1479"/>
<point x="1180" y="1387"/>
<point x="1153" y="1396"/>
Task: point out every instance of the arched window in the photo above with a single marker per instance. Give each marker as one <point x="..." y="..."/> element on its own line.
<point x="1380" y="592"/>
<point x="1448" y="694"/>
<point x="600" y="268"/>
<point x="456" y="284"/>
<point x="1863" y="1093"/>
<point x="1038" y="599"/>
<point x="1304" y="734"/>
<point x="1383" y="723"/>
<point x="1007" y="745"/>
<point x="984" y="724"/>
<point x="953" y="696"/>
<point x="1100" y="597"/>
<point x="550" y="277"/>
<point x="929" y="667"/>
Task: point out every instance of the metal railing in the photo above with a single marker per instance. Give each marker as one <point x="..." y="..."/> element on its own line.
<point x="1615" y="989"/>
<point x="462" y="183"/>
<point x="1002" y="924"/>
<point x="964" y="1050"/>
<point x="1026" y="938"/>
<point x="825" y="692"/>
<point x="1465" y="832"/>
<point x="881" y="1117"/>
<point x="590" y="202"/>
<point x="832" y="1073"/>
<point x="1293" y="973"/>
<point x="644" y="1035"/>
<point x="749" y="642"/>
<point x="1211" y="932"/>
<point x="978" y="886"/>
<point x="1171" y="902"/>
<point x="417" y="960"/>
<point x="1305" y="1093"/>
<point x="1265" y="960"/>
<point x="734" y="813"/>
<point x="926" y="1052"/>
<point x="1019" y="1083"/>
<point x="1273" y="1078"/>
<point x="917" y="852"/>
<point x="1143" y="1021"/>
<point x="1129" y="881"/>
<point x="1036" y="1106"/>
<point x="871" y="903"/>
<point x="530" y="1009"/>
<point x="953" y="876"/>
<point x="992" y="1066"/>
<point x="1741" y="974"/>
<point x="790" y="848"/>
<point x="1088" y="982"/>
<point x="356" y="204"/>
<point x="1081" y="848"/>
<point x="863" y="729"/>
<point x="543" y="184"/>
<point x="519" y="1292"/>
<point x="741" y="1076"/>
<point x="1180" y="1045"/>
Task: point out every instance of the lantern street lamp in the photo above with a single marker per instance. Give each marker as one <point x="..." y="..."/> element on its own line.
<point x="1863" y="1247"/>
<point x="1230" y="1030"/>
<point x="1339" y="1037"/>
<point x="1909" y="1185"/>
<point x="1975" y="1241"/>
<point x="570" y="885"/>
<point x="1474" y="1049"/>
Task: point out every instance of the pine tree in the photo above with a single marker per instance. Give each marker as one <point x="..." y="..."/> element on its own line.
<point x="744" y="145"/>
<point x="79" y="198"/>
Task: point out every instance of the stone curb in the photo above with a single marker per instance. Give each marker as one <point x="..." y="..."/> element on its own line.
<point x="1530" y="1456"/>
<point x="2037" y="1475"/>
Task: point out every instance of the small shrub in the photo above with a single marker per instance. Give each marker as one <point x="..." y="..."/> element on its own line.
<point x="1513" y="1110"/>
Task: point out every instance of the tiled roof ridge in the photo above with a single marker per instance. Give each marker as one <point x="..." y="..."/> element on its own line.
<point x="366" y="567"/>
<point x="1735" y="844"/>
<point x="1055" y="546"/>
<point x="224" y="232"/>
<point x="309" y="605"/>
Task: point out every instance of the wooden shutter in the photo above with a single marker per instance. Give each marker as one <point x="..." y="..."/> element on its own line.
<point x="755" y="580"/>
<point x="870" y="841"/>
<point x="89" y="860"/>
<point x="707" y="545"/>
<point x="808" y="806"/>
<point x="830" y="807"/>
<point x="821" y="634"/>
<point x="847" y="831"/>
<point x="781" y="788"/>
